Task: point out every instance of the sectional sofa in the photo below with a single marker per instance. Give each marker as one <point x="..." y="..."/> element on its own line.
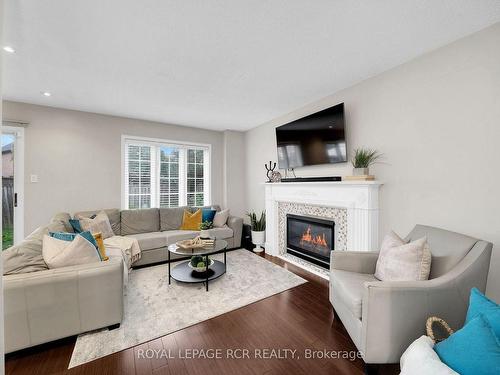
<point x="43" y="305"/>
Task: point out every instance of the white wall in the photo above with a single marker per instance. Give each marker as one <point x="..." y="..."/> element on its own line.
<point x="437" y="120"/>
<point x="2" y="370"/>
<point x="234" y="192"/>
<point x="77" y="157"/>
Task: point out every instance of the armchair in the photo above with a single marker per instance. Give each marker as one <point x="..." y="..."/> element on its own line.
<point x="383" y="318"/>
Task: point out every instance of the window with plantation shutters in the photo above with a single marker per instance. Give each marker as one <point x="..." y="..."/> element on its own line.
<point x="165" y="174"/>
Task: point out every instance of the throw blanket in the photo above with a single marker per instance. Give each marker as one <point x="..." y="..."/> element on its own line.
<point x="129" y="247"/>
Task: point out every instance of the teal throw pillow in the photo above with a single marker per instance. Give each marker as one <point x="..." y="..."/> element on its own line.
<point x="208" y="215"/>
<point x="480" y="304"/>
<point x="472" y="350"/>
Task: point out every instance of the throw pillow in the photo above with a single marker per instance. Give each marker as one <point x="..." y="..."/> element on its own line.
<point x="191" y="221"/>
<point x="208" y="215"/>
<point x="94" y="238"/>
<point x="474" y="349"/>
<point x="403" y="262"/>
<point x="60" y="253"/>
<point x="99" y="224"/>
<point x="75" y="224"/>
<point x="220" y="218"/>
<point x="480" y="304"/>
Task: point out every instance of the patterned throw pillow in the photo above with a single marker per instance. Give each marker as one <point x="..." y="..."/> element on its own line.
<point x="99" y="224"/>
<point x="400" y="261"/>
<point x="191" y="221"/>
<point x="60" y="253"/>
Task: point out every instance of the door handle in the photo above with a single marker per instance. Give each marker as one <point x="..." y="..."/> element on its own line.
<point x="15" y="199"/>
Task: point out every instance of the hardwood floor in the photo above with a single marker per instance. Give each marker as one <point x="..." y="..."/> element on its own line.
<point x="298" y="319"/>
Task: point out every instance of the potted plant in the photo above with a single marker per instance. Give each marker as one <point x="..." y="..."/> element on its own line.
<point x="204" y="228"/>
<point x="258" y="230"/>
<point x="363" y="158"/>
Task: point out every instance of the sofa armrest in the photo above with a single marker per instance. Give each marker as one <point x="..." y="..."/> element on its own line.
<point x="48" y="305"/>
<point x="236" y="224"/>
<point x="354" y="261"/>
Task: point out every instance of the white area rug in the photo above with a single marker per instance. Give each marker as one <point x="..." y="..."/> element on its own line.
<point x="154" y="309"/>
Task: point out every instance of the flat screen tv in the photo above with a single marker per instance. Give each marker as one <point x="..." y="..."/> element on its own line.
<point x="315" y="139"/>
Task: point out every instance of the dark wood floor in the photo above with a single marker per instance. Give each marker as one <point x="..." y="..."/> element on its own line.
<point x="298" y="319"/>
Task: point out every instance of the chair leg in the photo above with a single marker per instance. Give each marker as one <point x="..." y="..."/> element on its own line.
<point x="371" y="368"/>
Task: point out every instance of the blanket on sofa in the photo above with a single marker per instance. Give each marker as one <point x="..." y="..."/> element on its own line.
<point x="129" y="246"/>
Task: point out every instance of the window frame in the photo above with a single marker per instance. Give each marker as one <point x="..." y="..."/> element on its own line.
<point x="155" y="177"/>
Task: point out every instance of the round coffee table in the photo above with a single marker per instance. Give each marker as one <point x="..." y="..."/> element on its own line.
<point x="183" y="273"/>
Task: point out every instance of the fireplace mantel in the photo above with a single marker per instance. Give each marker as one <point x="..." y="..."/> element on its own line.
<point x="358" y="198"/>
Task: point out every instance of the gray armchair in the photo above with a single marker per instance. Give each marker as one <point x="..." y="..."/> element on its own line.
<point x="382" y="317"/>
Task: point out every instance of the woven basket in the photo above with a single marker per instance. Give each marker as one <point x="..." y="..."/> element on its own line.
<point x="430" y="330"/>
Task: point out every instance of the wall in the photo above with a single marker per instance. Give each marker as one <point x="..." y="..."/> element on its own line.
<point x="2" y="367"/>
<point x="234" y="173"/>
<point x="77" y="157"/>
<point x="436" y="119"/>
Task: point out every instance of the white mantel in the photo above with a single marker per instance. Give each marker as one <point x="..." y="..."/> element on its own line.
<point x="358" y="198"/>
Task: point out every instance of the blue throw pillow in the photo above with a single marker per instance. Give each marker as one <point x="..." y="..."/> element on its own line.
<point x="76" y="225"/>
<point x="474" y="349"/>
<point x="480" y="304"/>
<point x="208" y="215"/>
<point x="71" y="236"/>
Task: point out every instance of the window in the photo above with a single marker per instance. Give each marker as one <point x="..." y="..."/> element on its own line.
<point x="165" y="174"/>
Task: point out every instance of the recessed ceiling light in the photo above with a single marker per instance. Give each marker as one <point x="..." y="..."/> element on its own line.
<point x="9" y="49"/>
<point x="46" y="93"/>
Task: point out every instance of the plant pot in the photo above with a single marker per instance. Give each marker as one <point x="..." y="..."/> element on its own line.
<point x="258" y="239"/>
<point x="360" y="171"/>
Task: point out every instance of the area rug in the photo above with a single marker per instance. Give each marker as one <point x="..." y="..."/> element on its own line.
<point x="154" y="309"/>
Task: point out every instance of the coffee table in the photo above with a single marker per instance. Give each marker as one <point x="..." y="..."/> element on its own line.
<point x="183" y="273"/>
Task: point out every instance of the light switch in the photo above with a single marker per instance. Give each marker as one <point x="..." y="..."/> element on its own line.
<point x="34" y="178"/>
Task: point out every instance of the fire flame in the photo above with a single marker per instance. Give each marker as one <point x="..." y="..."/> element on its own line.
<point x="317" y="240"/>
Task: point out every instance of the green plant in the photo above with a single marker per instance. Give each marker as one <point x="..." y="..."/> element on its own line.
<point x="258" y="225"/>
<point x="364" y="157"/>
<point x="198" y="261"/>
<point x="207" y="224"/>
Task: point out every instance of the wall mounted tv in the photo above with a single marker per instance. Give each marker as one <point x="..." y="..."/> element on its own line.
<point x="315" y="139"/>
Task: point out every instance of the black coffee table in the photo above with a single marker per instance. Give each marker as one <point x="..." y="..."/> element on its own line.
<point x="183" y="273"/>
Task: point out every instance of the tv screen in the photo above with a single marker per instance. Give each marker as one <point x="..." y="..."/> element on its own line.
<point x="315" y="139"/>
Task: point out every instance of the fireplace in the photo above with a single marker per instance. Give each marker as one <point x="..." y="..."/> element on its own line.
<point x="310" y="238"/>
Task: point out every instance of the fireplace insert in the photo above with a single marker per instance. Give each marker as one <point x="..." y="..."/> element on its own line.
<point x="310" y="238"/>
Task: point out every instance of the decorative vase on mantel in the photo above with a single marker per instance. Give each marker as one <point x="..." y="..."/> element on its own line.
<point x="361" y="171"/>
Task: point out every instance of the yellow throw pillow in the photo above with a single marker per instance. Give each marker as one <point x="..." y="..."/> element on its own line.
<point x="100" y="246"/>
<point x="191" y="221"/>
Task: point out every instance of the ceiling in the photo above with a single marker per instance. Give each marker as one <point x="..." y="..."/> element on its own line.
<point x="217" y="64"/>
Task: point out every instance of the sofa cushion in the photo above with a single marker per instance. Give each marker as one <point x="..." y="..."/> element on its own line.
<point x="150" y="240"/>
<point x="221" y="233"/>
<point x="140" y="221"/>
<point x="191" y="221"/>
<point x="171" y="218"/>
<point x="63" y="218"/>
<point x="27" y="255"/>
<point x="113" y="216"/>
<point x="350" y="286"/>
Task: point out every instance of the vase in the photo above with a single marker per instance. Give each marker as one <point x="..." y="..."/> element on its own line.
<point x="360" y="171"/>
<point x="258" y="239"/>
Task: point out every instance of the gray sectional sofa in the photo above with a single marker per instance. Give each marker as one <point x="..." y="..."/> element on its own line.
<point x="42" y="305"/>
<point x="156" y="228"/>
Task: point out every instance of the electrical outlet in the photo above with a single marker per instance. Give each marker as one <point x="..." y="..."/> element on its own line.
<point x="34" y="178"/>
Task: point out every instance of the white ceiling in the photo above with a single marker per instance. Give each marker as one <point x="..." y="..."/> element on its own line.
<point x="217" y="64"/>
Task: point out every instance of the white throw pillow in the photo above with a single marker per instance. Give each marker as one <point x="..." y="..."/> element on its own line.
<point x="421" y="359"/>
<point x="59" y="253"/>
<point x="220" y="218"/>
<point x="99" y="224"/>
<point x="400" y="261"/>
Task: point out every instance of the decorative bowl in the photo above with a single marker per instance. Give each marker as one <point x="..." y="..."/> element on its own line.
<point x="189" y="244"/>
<point x="201" y="269"/>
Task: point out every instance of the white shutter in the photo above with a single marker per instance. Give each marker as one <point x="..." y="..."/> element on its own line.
<point x="140" y="173"/>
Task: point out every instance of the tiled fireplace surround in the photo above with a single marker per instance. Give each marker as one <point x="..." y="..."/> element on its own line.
<point x="353" y="206"/>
